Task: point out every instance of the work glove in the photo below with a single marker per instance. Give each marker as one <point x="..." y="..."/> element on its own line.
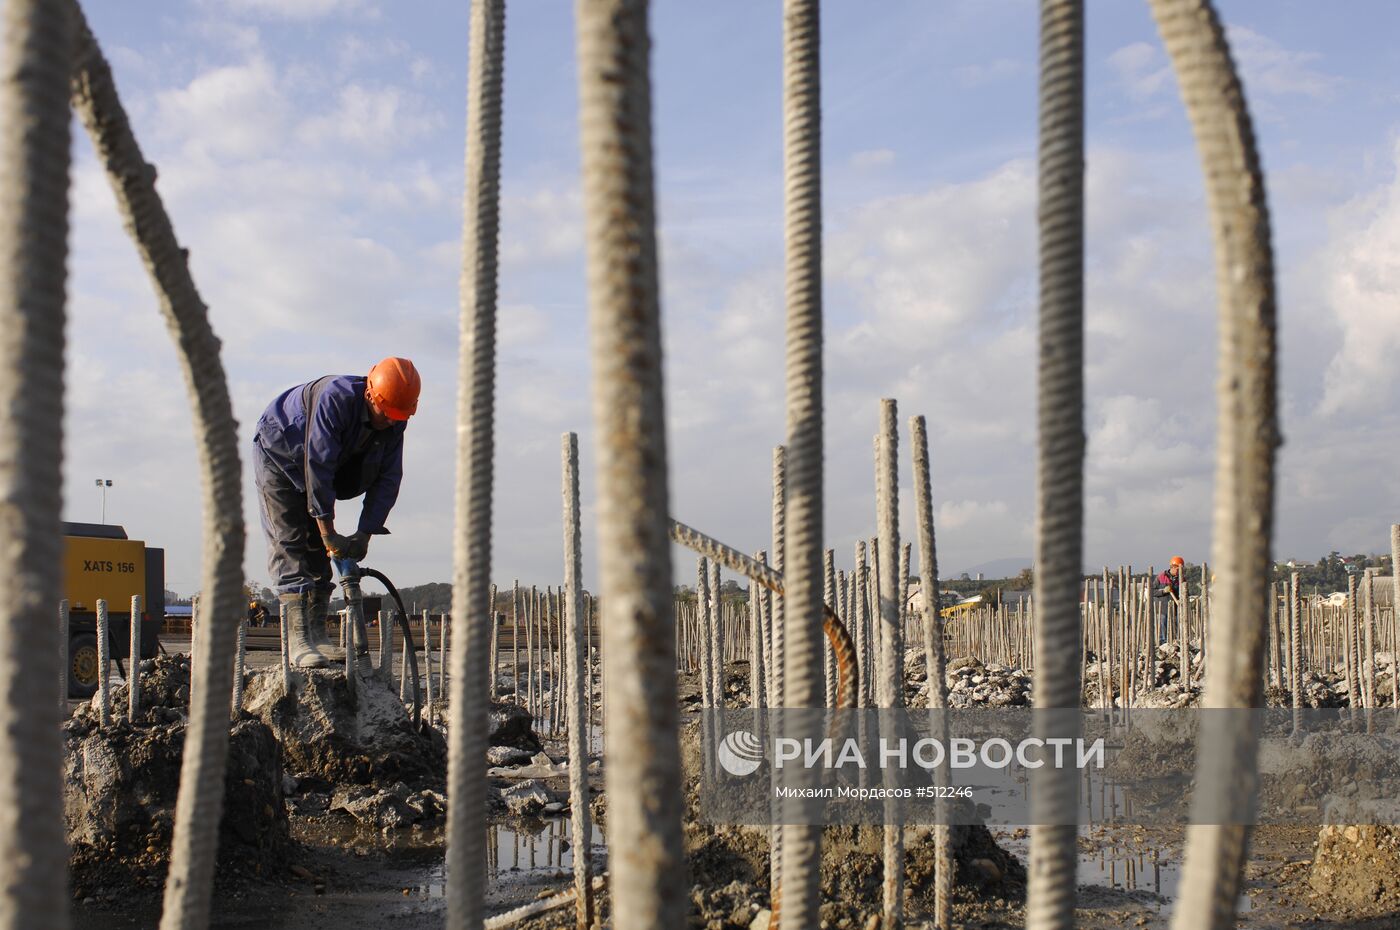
<point x="339" y="546"/>
<point x="359" y="546"/>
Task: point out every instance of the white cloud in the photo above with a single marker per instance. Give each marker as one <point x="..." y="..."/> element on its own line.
<point x="1362" y="269"/>
<point x="541" y="226"/>
<point x="1142" y="69"/>
<point x="990" y="72"/>
<point x="872" y="158"/>
<point x="376" y="119"/>
<point x="920" y="263"/>
<point x="234" y="112"/>
<point x="1269" y="68"/>
<point x="301" y="9"/>
<point x="958" y="514"/>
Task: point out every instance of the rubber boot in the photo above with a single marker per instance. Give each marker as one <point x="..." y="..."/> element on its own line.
<point x="320" y="607"/>
<point x="301" y="653"/>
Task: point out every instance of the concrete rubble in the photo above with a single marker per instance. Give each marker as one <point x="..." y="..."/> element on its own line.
<point x="357" y="754"/>
<point x="121" y="783"/>
<point x="339" y="738"/>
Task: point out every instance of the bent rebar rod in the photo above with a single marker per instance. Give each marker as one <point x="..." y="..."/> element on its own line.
<point x="1247" y="438"/>
<point x="200" y="802"/>
<point x="847" y="667"/>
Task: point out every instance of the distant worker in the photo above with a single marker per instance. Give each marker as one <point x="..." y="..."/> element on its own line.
<point x="257" y="614"/>
<point x="1169" y="582"/>
<point x="1167" y="587"/>
<point x="350" y="444"/>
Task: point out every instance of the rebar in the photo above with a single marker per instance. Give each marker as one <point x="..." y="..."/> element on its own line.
<point x="756" y="685"/>
<point x="642" y="767"/>
<point x="1247" y="438"/>
<point x="777" y="663"/>
<point x="63" y="659"/>
<point x="347" y="635"/>
<point x="494" y="661"/>
<point x="476" y="398"/>
<point x="935" y="662"/>
<point x="756" y="570"/>
<point x="34" y="163"/>
<point x="716" y="641"/>
<point x="515" y="640"/>
<point x="1050" y="897"/>
<point x="286" y="659"/>
<point x="704" y="634"/>
<point x="1395" y="615"/>
<point x="891" y="645"/>
<point x="862" y="624"/>
<point x="581" y="828"/>
<point x="200" y="802"/>
<point x="104" y="663"/>
<point x="829" y="595"/>
<point x="802" y="677"/>
<point x="133" y="661"/>
<point x="239" y="669"/>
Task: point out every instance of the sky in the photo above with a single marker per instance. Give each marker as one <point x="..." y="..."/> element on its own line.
<point x="310" y="154"/>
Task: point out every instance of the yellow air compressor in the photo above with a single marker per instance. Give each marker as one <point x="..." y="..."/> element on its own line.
<point x="99" y="562"/>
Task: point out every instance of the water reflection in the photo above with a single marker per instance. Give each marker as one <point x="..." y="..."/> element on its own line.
<point x="517" y="848"/>
<point x="525" y="849"/>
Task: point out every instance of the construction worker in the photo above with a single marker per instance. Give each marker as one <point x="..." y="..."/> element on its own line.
<point x="257" y="614"/>
<point x="1169" y="581"/>
<point x="331" y="439"/>
<point x="1167" y="588"/>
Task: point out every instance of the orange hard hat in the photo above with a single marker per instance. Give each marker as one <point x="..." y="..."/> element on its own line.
<point x="1178" y="560"/>
<point x="393" y="386"/>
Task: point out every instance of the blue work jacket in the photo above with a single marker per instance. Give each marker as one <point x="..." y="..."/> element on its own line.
<point x="339" y="456"/>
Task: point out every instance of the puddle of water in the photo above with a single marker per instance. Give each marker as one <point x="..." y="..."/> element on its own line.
<point x="1140" y="870"/>
<point x="1126" y="865"/>
<point x="514" y="851"/>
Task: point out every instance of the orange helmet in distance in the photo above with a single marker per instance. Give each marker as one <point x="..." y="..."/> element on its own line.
<point x="1178" y="562"/>
<point x="393" y="386"/>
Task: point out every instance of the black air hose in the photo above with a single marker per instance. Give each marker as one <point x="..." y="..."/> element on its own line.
<point x="407" y="638"/>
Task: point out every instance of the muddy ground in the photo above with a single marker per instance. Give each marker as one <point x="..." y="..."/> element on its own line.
<point x="340" y="872"/>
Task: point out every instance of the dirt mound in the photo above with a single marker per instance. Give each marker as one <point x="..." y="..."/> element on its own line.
<point x="728" y="863"/>
<point x="121" y="785"/>
<point x="1358" y="867"/>
<point x="165" y="694"/>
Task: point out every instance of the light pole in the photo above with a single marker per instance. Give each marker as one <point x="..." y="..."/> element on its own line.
<point x="103" y="484"/>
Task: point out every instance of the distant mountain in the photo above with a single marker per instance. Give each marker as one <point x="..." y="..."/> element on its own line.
<point x="434" y="597"/>
<point x="997" y="568"/>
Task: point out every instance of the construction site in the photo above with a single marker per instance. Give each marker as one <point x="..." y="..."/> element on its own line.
<point x="634" y="737"/>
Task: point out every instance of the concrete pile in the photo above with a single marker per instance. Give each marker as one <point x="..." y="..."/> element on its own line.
<point x="355" y="753"/>
<point x="332" y="735"/>
<point x="121" y="783"/>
